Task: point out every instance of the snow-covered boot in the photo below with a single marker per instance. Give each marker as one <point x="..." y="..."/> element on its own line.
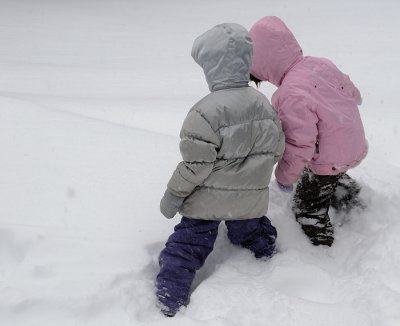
<point x="346" y="196"/>
<point x="319" y="230"/>
<point x="311" y="204"/>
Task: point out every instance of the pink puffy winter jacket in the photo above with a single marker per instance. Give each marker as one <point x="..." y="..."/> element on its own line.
<point x="316" y="102"/>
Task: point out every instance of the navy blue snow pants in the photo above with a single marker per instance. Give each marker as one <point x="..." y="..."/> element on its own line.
<point x="188" y="247"/>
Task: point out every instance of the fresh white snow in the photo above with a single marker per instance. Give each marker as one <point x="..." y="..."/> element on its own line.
<point x="92" y="97"/>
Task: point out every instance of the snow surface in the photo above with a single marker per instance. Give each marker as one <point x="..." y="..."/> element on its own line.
<point x="92" y="97"/>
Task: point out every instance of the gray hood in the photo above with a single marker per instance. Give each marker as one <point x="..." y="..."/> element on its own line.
<point x="224" y="52"/>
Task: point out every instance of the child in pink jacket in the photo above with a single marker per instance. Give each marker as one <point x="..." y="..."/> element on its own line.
<point x="318" y="107"/>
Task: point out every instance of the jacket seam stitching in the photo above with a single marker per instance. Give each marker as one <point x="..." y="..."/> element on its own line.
<point x="195" y="137"/>
<point x="242" y="157"/>
<point x="199" y="162"/>
<point x="186" y="179"/>
<point x="228" y="189"/>
<point x="204" y="117"/>
<point x="241" y="123"/>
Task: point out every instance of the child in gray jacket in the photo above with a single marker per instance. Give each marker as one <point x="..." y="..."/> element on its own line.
<point x="230" y="141"/>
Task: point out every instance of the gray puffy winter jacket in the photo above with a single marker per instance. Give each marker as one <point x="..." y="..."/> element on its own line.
<point x="231" y="139"/>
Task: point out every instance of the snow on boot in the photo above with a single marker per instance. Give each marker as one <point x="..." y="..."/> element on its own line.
<point x="319" y="231"/>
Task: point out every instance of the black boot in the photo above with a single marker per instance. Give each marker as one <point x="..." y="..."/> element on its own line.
<point x="311" y="205"/>
<point x="346" y="196"/>
<point x="319" y="231"/>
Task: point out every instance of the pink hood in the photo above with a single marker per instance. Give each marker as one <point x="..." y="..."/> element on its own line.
<point x="316" y="103"/>
<point x="275" y="50"/>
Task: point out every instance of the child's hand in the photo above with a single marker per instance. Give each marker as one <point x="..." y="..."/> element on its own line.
<point x="285" y="188"/>
<point x="170" y="204"/>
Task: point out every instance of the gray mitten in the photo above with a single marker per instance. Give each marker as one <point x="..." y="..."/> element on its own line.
<point x="170" y="204"/>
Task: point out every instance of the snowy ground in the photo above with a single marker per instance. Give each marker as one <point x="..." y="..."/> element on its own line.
<point x="92" y="97"/>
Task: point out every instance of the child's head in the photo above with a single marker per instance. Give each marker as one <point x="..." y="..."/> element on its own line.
<point x="275" y="49"/>
<point x="224" y="52"/>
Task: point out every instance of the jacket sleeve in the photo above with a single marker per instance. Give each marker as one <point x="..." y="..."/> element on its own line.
<point x="355" y="93"/>
<point x="345" y="82"/>
<point x="280" y="148"/>
<point x="199" y="145"/>
<point x="299" y="123"/>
